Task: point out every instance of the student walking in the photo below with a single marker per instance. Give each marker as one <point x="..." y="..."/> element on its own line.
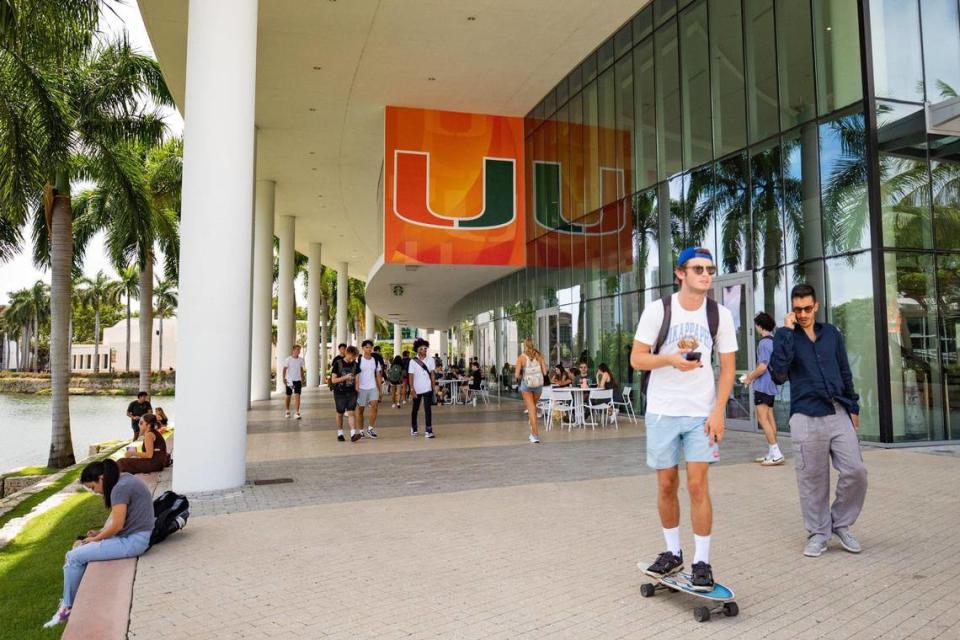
<point x="531" y="371"/>
<point x="765" y="390"/>
<point x="370" y="382"/>
<point x="824" y="419"/>
<point x="423" y="380"/>
<point x="405" y="386"/>
<point x="675" y="341"/>
<point x="344" y="381"/>
<point x="293" y="369"/>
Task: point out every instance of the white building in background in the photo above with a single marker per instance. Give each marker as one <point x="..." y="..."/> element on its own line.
<point x="113" y="350"/>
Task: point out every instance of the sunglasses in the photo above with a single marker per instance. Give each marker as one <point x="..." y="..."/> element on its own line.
<point x="699" y="269"/>
<point x="803" y="310"/>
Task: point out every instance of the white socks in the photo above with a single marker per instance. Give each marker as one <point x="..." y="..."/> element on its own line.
<point x="702" y="553"/>
<point x="672" y="537"/>
<point x="775" y="451"/>
<point x="339" y="432"/>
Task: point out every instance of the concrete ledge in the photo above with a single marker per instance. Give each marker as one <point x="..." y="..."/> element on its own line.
<point x="101" y="610"/>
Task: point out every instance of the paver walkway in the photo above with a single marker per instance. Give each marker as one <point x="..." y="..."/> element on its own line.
<point x="478" y="534"/>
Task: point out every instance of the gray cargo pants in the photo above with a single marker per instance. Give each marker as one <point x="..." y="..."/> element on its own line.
<point x="815" y="442"/>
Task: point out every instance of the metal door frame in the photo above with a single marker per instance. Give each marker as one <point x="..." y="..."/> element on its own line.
<point x="744" y="278"/>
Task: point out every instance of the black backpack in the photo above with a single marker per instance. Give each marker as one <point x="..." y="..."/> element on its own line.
<point x="171" y="511"/>
<point x="713" y="322"/>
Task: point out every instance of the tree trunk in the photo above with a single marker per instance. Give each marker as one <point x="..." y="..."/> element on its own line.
<point x="61" y="263"/>
<point x="146" y="323"/>
<point x="324" y="338"/>
<point x="96" y="339"/>
<point x="36" y="342"/>
<point x="128" y="332"/>
<point x="160" y="355"/>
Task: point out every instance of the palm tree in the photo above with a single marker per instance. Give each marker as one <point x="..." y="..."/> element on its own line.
<point x="18" y="317"/>
<point x="76" y="115"/>
<point x="97" y="291"/>
<point x="165" y="295"/>
<point x="128" y="287"/>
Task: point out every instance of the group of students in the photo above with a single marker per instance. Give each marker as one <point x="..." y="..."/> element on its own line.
<point x="148" y="425"/>
<point x="686" y="408"/>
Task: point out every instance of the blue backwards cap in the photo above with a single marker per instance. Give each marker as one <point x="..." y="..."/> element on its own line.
<point x="693" y="252"/>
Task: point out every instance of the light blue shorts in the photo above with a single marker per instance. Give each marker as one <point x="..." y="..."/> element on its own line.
<point x="666" y="435"/>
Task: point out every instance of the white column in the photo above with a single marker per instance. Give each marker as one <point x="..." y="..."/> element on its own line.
<point x="342" y="297"/>
<point x="370" y="323"/>
<point x="313" y="315"/>
<point x="397" y="338"/>
<point x="444" y="348"/>
<point x="218" y="150"/>
<point x="262" y="309"/>
<point x="286" y="229"/>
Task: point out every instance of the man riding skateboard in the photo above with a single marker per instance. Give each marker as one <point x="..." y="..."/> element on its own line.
<point x="685" y="409"/>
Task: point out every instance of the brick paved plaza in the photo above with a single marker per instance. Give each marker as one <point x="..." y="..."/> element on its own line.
<point x="478" y="534"/>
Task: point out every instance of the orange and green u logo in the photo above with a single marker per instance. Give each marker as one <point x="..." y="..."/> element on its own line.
<point x="411" y="193"/>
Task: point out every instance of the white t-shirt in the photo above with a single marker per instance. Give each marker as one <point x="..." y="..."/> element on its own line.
<point x="368" y="373"/>
<point x="421" y="379"/>
<point x="672" y="392"/>
<point x="294" y="369"/>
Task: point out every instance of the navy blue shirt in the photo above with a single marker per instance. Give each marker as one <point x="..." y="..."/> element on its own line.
<point x="819" y="372"/>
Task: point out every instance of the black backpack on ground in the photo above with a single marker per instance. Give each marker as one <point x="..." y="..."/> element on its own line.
<point x="713" y="322"/>
<point x="171" y="511"/>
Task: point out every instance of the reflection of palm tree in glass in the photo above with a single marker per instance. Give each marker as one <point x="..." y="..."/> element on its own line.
<point x="844" y="195"/>
<point x="730" y="207"/>
<point x="644" y="227"/>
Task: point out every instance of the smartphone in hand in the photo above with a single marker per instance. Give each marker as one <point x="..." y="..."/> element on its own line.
<point x="693" y="356"/>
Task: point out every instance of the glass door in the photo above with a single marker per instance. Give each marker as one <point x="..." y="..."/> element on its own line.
<point x="735" y="292"/>
<point x="548" y="334"/>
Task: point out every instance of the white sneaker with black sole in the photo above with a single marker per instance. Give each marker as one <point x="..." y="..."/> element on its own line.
<point x="534" y="439"/>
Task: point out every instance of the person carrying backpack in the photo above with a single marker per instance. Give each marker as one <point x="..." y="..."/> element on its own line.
<point x="395" y="377"/>
<point x="765" y="390"/>
<point x="686" y="408"/>
<point x="344" y="381"/>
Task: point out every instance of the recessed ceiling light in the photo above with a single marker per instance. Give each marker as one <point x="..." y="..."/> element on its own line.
<point x="313" y="108"/>
<point x="317" y="67"/>
<point x="313" y="153"/>
<point x="313" y="169"/>
<point x="431" y="79"/>
<point x="471" y="18"/>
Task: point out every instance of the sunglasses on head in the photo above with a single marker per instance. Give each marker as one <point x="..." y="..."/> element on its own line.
<point x="699" y="269"/>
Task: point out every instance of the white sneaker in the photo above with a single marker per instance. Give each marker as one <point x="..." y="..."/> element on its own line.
<point x="298" y="416"/>
<point x="534" y="439"/>
<point x="371" y="433"/>
<point x="286" y="414"/>
<point x="771" y="462"/>
<point x="60" y="617"/>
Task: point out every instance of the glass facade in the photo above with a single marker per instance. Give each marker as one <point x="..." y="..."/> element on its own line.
<point x="744" y="126"/>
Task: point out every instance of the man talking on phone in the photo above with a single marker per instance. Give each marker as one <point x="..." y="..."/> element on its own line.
<point x="824" y="419"/>
<point x="675" y="341"/>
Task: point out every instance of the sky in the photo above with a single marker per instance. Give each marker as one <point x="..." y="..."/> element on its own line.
<point x="20" y="272"/>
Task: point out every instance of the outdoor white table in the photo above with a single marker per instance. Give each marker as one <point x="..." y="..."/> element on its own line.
<point x="579" y="400"/>
<point x="453" y="393"/>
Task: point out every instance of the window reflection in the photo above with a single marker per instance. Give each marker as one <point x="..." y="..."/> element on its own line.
<point x="695" y="57"/>
<point x="843" y="180"/>
<point x="914" y="359"/>
<point x="731" y="206"/>
<point x="668" y="101"/>
<point x="837" y="44"/>
<point x="801" y="195"/>
<point x="948" y="285"/>
<point x="761" y="69"/>
<point x="941" y="48"/>
<point x="795" y="62"/>
<point x="897" y="62"/>
<point x="767" y="196"/>
<point x="727" y="86"/>
<point x="645" y="119"/>
<point x="850" y="307"/>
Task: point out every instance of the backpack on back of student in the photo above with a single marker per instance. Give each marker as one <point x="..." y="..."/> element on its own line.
<point x="171" y="511"/>
<point x="395" y="374"/>
<point x="713" y="322"/>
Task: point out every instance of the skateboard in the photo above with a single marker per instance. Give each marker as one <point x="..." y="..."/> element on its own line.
<point x="720" y="598"/>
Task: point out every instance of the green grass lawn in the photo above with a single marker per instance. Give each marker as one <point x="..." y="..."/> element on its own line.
<point x="31" y="566"/>
<point x="30" y="471"/>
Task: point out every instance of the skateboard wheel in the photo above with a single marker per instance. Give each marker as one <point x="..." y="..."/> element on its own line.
<point x="730" y="609"/>
<point x="701" y="614"/>
<point x="648" y="590"/>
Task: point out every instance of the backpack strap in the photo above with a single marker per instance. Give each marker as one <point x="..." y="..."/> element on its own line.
<point x="713" y="319"/>
<point x="667" y="302"/>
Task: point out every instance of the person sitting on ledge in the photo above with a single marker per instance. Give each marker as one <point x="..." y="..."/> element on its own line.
<point x="152" y="455"/>
<point x="162" y="419"/>
<point x="126" y="533"/>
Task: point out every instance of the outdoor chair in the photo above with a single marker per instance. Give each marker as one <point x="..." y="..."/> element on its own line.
<point x="560" y="401"/>
<point x="627" y="404"/>
<point x="601" y="401"/>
